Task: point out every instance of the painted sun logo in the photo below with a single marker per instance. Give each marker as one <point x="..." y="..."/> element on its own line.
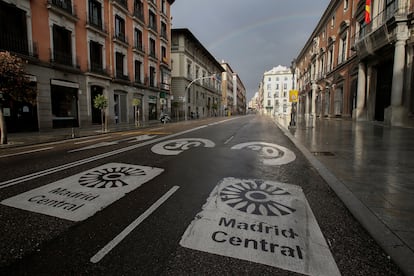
<point x="256" y="197"/>
<point x="109" y="177"/>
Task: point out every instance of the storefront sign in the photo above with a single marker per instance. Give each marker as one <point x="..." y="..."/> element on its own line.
<point x="80" y="196"/>
<point x="261" y="221"/>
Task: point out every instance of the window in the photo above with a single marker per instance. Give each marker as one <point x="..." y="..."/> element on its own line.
<point x="152" y="76"/>
<point x="138" y="69"/>
<point x="269" y="86"/>
<point x="152" y="20"/>
<point x="277" y="95"/>
<point x="152" y="51"/>
<point x="269" y="102"/>
<point x="119" y="63"/>
<point x="120" y="28"/>
<point x="139" y="9"/>
<point x="13" y="29"/>
<point x="346" y="4"/>
<point x="95" y="54"/>
<point x="333" y="21"/>
<point x="138" y="39"/>
<point x="269" y="79"/>
<point x="189" y="70"/>
<point x="342" y="49"/>
<point x="163" y="6"/>
<point x="164" y="54"/>
<point x="95" y="14"/>
<point x="269" y="94"/>
<point x="163" y="30"/>
<point x="277" y="86"/>
<point x="62" y="45"/>
<point x="285" y="86"/>
<point x="64" y="105"/>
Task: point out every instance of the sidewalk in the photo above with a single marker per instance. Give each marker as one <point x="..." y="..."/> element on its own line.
<point x="54" y="135"/>
<point x="371" y="168"/>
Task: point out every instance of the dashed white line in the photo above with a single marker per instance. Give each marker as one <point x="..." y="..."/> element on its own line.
<point x="92" y="140"/>
<point x="25" y="152"/>
<point x="107" y="248"/>
<point x="228" y="140"/>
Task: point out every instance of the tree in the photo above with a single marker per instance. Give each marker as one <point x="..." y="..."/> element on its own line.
<point x="14" y="85"/>
<point x="101" y="102"/>
<point x="136" y="103"/>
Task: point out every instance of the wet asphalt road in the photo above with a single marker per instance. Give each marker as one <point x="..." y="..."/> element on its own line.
<point x="34" y="244"/>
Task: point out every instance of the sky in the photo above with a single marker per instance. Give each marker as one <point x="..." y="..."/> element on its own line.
<point x="253" y="36"/>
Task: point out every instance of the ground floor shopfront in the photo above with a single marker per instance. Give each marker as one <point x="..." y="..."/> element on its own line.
<point x="65" y="99"/>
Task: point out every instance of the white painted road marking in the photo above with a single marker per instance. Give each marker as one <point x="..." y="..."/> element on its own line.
<point x="92" y="140"/>
<point x="38" y="174"/>
<point x="261" y="221"/>
<point x="80" y="196"/>
<point x="177" y="146"/>
<point x="271" y="154"/>
<point x="107" y="248"/>
<point x="25" y="152"/>
<point x="228" y="140"/>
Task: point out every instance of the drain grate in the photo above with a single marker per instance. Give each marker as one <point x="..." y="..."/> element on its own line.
<point x="323" y="153"/>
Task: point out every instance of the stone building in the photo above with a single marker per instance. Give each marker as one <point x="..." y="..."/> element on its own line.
<point x="79" y="49"/>
<point x="277" y="83"/>
<point x="350" y="68"/>
<point x="196" y="78"/>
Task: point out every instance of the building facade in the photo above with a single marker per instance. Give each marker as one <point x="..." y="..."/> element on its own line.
<point x="196" y="78"/>
<point x="77" y="50"/>
<point x="276" y="85"/>
<point x="227" y="83"/>
<point x="352" y="68"/>
<point x="239" y="96"/>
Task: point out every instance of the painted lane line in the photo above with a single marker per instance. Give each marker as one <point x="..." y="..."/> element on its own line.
<point x="107" y="248"/>
<point x="228" y="140"/>
<point x="92" y="140"/>
<point x="35" y="175"/>
<point x="25" y="152"/>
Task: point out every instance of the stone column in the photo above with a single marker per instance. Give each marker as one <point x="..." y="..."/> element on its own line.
<point x="396" y="113"/>
<point x="313" y="106"/>
<point x="360" y="112"/>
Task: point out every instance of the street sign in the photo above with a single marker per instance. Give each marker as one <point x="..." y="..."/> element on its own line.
<point x="293" y="96"/>
<point x="261" y="221"/>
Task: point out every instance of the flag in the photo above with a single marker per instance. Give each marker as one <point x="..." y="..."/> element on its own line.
<point x="368" y="11"/>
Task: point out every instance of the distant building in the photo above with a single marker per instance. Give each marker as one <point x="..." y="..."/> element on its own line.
<point x="79" y="49"/>
<point x="276" y="86"/>
<point x="196" y="77"/>
<point x="233" y="92"/>
<point x="352" y="68"/>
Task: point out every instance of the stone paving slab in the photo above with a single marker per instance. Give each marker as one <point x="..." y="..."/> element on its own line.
<point x="370" y="169"/>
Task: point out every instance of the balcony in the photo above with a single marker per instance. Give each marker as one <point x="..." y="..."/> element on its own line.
<point x="97" y="68"/>
<point x="17" y="45"/>
<point x="123" y="4"/>
<point x="152" y="54"/>
<point x="380" y="31"/>
<point x="120" y="76"/>
<point x="152" y="26"/>
<point x="63" y="7"/>
<point x="139" y="48"/>
<point x="121" y="38"/>
<point x="63" y="58"/>
<point x="96" y="24"/>
<point x="139" y="14"/>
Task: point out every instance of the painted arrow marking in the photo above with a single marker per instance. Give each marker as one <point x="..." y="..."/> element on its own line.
<point x="106" y="144"/>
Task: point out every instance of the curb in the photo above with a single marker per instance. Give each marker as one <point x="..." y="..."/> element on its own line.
<point x="399" y="252"/>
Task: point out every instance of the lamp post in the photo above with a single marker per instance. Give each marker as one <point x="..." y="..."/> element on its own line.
<point x="293" y="110"/>
<point x="187" y="89"/>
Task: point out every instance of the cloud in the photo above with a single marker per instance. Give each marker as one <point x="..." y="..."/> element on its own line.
<point x="252" y="36"/>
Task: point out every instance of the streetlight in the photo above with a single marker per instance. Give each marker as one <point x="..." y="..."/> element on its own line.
<point x="187" y="89"/>
<point x="294" y="101"/>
